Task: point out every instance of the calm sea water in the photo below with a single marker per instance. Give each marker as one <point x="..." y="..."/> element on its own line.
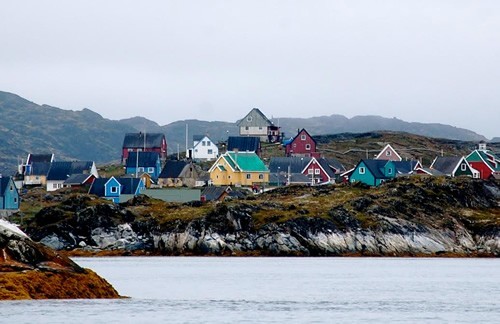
<point x="278" y="290"/>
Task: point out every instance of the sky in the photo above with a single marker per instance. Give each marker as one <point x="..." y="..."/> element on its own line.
<point x="422" y="61"/>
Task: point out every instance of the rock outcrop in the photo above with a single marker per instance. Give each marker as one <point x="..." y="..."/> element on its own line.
<point x="405" y="217"/>
<point x="30" y="270"/>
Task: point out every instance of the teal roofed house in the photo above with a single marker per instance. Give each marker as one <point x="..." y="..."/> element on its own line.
<point x="373" y="172"/>
<point x="9" y="196"/>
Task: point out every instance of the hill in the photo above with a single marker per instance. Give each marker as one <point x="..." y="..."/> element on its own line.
<point x="26" y="127"/>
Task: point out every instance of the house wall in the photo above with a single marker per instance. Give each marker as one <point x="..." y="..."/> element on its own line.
<point x="53" y="185"/>
<point x="321" y="177"/>
<point x="366" y="178"/>
<point x="298" y="146"/>
<point x="162" y="151"/>
<point x="388" y="154"/>
<point x="10" y="198"/>
<point x="200" y="151"/>
<point x="467" y="172"/>
<point x="38" y="180"/>
<point x="107" y="189"/>
<point x="260" y="131"/>
<point x="229" y="178"/>
<point x="484" y="170"/>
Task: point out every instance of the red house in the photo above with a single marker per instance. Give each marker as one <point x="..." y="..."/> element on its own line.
<point x="484" y="161"/>
<point x="319" y="171"/>
<point x="302" y="145"/>
<point x="144" y="142"/>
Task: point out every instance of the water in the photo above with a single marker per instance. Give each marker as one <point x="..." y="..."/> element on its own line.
<point x="277" y="290"/>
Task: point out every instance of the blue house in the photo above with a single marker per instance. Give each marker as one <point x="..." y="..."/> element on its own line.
<point x="373" y="172"/>
<point x="113" y="188"/>
<point x="145" y="162"/>
<point x="9" y="196"/>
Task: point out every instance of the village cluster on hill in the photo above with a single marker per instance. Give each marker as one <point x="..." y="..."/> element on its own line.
<point x="235" y="163"/>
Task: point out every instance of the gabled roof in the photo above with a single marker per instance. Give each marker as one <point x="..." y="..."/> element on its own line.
<point x="243" y="143"/>
<point x="299" y="133"/>
<point x="325" y="165"/>
<point x="446" y="164"/>
<point x="297" y="164"/>
<point x="197" y="138"/>
<point x="97" y="187"/>
<point x="63" y="170"/>
<point x="335" y="164"/>
<point x="146" y="159"/>
<point x="430" y="171"/>
<point x="255" y="118"/>
<point x="129" y="185"/>
<point x="172" y="169"/>
<point x="39" y="168"/>
<point x="77" y="179"/>
<point x="376" y="167"/>
<point x="246" y="161"/>
<point x="133" y="140"/>
<point x="34" y="158"/>
<point x="4" y="183"/>
<point x="387" y="147"/>
<point x="214" y="193"/>
<point x="405" y="167"/>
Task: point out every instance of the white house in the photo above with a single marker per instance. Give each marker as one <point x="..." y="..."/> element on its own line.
<point x="203" y="148"/>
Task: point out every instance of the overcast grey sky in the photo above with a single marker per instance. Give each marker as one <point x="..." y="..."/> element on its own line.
<point x="426" y="61"/>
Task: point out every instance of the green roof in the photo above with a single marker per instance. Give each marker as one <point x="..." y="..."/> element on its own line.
<point x="246" y="161"/>
<point x="478" y="156"/>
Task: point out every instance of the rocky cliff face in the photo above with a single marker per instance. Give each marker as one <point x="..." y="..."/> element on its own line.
<point x="30" y="270"/>
<point x="403" y="217"/>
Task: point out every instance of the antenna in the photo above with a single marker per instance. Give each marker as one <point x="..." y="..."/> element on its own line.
<point x="186" y="140"/>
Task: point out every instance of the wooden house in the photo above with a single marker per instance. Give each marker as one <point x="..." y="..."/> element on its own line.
<point x="255" y="123"/>
<point x="9" y="196"/>
<point x="143" y="162"/>
<point x="144" y="142"/>
<point x="178" y="174"/>
<point x="204" y="149"/>
<point x="60" y="171"/>
<point x="454" y="166"/>
<point x="373" y="172"/>
<point x="302" y="145"/>
<point x="486" y="162"/>
<point x="114" y="188"/>
<point x="240" y="169"/>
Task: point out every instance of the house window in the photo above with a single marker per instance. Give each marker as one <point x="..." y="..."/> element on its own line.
<point x="249" y="176"/>
<point x="246" y="127"/>
<point x="310" y="171"/>
<point x="308" y="146"/>
<point x="210" y="152"/>
<point x="260" y="128"/>
<point x="15" y="200"/>
<point x="196" y="150"/>
<point x="389" y="171"/>
<point x="54" y="186"/>
<point x="302" y="137"/>
<point x="113" y="189"/>
<point x="208" y="143"/>
<point x="362" y="170"/>
<point x="261" y="176"/>
<point x="151" y="170"/>
<point x="316" y="171"/>
<point x="141" y="169"/>
<point x="249" y="118"/>
<point x="203" y="143"/>
<point x="388" y="153"/>
<point x="463" y="167"/>
<point x="11" y="188"/>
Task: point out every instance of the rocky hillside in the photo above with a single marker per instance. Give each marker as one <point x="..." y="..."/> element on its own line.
<point x="30" y="270"/>
<point x="418" y="216"/>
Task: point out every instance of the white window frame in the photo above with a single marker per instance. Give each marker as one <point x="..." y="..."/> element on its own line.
<point x="463" y="167"/>
<point x="362" y="170"/>
<point x="310" y="171"/>
<point x="308" y="147"/>
<point x="303" y="137"/>
<point x="389" y="171"/>
<point x="140" y="169"/>
<point x="261" y="176"/>
<point x="388" y="153"/>
<point x="317" y="171"/>
<point x="113" y="189"/>
<point x="151" y="169"/>
<point x="249" y="176"/>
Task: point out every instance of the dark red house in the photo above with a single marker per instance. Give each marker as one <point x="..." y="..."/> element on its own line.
<point x="302" y="145"/>
<point x="144" y="142"/>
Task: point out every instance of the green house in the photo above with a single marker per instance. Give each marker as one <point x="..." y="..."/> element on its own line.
<point x="373" y="172"/>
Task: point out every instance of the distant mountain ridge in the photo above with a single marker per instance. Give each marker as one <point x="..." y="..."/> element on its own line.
<point x="26" y="127"/>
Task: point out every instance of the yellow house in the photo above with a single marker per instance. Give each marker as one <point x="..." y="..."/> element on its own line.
<point x="242" y="168"/>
